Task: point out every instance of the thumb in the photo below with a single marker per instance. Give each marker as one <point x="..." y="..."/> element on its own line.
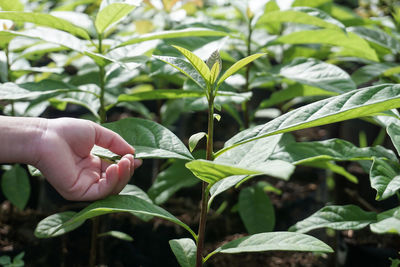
<point x="112" y="141"/>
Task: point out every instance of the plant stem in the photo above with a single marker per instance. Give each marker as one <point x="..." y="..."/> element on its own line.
<point x="9" y="78"/>
<point x="204" y="198"/>
<point x="245" y="106"/>
<point x="102" y="74"/>
<point x="93" y="241"/>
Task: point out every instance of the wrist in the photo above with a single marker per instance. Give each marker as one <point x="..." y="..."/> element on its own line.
<point x="22" y="139"/>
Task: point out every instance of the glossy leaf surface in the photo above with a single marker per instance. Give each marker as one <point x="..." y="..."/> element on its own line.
<point x="385" y="178"/>
<point x="150" y="139"/>
<point x="50" y="226"/>
<point x="16" y="187"/>
<point x="355" y="104"/>
<point x="196" y="62"/>
<point x="349" y="217"/>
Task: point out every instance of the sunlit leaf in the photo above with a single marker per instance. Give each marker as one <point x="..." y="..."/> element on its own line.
<point x="194" y="139"/>
<point x="160" y="94"/>
<point x="388" y="222"/>
<point x="46" y="20"/>
<point x="14" y="5"/>
<point x="150" y="139"/>
<point x="349" y="217"/>
<point x="196" y="62"/>
<point x="112" y="12"/>
<point x="354" y="104"/>
<point x="237" y="66"/>
<point x="117" y="234"/>
<point x="349" y="40"/>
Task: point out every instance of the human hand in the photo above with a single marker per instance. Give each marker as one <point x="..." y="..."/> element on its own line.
<point x="64" y="158"/>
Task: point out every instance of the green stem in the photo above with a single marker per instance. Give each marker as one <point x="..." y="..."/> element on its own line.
<point x="102" y="110"/>
<point x="205" y="192"/>
<point x="93" y="242"/>
<point x="245" y="108"/>
<point x="9" y="78"/>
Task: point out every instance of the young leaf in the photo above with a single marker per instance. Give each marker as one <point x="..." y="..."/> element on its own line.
<point x="184" y="67"/>
<point x="184" y="250"/>
<point x="112" y="204"/>
<point x="287" y="241"/>
<point x="117" y="234"/>
<point x="50" y="226"/>
<point x="237" y="66"/>
<point x="354" y="104"/>
<point x="385" y="178"/>
<point x="170" y="181"/>
<point x="223" y="185"/>
<point x="190" y="32"/>
<point x="196" y="62"/>
<point x="304" y="15"/>
<point x="211" y="171"/>
<point x="377" y="37"/>
<point x="348" y="217"/>
<point x="350" y="41"/>
<point x="15" y="186"/>
<point x="214" y="58"/>
<point x="194" y="139"/>
<point x="256" y="210"/>
<point x="150" y="139"/>
<point x="111" y="13"/>
<point x="215" y="72"/>
<point x="45" y="20"/>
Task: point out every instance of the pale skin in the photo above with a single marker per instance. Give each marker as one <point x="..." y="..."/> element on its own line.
<point x="60" y="149"/>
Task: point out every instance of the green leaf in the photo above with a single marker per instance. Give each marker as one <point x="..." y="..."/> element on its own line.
<point x="196" y="62"/>
<point x="377" y="37"/>
<point x="313" y="3"/>
<point x="117" y="234"/>
<point x="14" y="5"/>
<point x="190" y="32"/>
<point x="237" y="66"/>
<point x="388" y="222"/>
<point x="150" y="139"/>
<point x="184" y="250"/>
<point x="393" y="131"/>
<point x="256" y="155"/>
<point x="112" y="12"/>
<point x="133" y="190"/>
<point x="256" y="209"/>
<point x="45" y="20"/>
<point x="355" y="104"/>
<point x="50" y="226"/>
<point x="184" y="67"/>
<point x="194" y="139"/>
<point x="16" y="187"/>
<point x="121" y="203"/>
<point x="287" y="241"/>
<point x="348" y="217"/>
<point x="291" y="92"/>
<point x="170" y="180"/>
<point x="211" y="171"/>
<point x="350" y="41"/>
<point x="318" y="74"/>
<point x="223" y="185"/>
<point x="385" y="178"/>
<point x="328" y="150"/>
<point x="303" y="15"/>
<point x="214" y="73"/>
<point x="32" y="90"/>
<point x="160" y="94"/>
<point x="370" y="72"/>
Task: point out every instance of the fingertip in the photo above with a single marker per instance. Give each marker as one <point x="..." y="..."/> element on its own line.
<point x="138" y="163"/>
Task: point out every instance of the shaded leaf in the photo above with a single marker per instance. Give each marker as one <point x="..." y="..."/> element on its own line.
<point x="50" y="226"/>
<point x="170" y="181"/>
<point x="256" y="210"/>
<point x="16" y="187"/>
<point x="393" y="131"/>
<point x="184" y="250"/>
